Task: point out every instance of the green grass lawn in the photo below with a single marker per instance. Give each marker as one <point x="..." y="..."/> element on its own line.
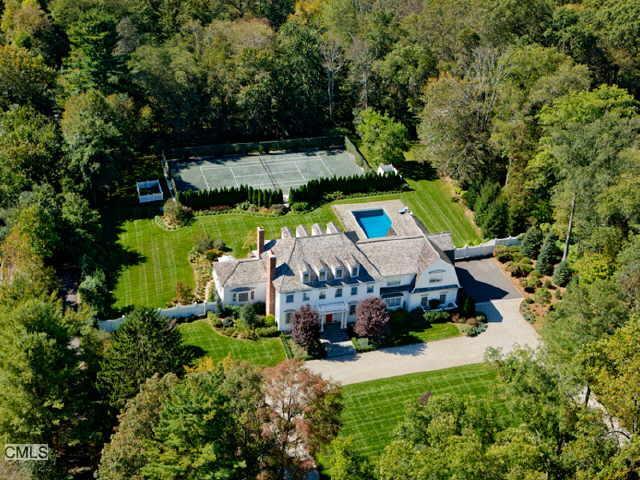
<point x="432" y="202"/>
<point x="374" y="409"/>
<point x="437" y="331"/>
<point x="263" y="352"/>
<point x="152" y="281"/>
<point x="162" y="255"/>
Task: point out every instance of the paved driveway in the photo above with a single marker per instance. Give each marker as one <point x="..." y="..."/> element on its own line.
<point x="506" y="329"/>
<point x="483" y="280"/>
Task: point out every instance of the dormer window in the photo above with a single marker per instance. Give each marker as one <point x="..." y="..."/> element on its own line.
<point x="339" y="272"/>
<point x="306" y="277"/>
<point x="322" y="275"/>
<point x="355" y="271"/>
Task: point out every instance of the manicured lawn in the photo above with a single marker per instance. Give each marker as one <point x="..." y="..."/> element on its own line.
<point x="431" y="201"/>
<point x="263" y="352"/>
<point x="162" y="255"/>
<point x="437" y="331"/>
<point x="374" y="409"/>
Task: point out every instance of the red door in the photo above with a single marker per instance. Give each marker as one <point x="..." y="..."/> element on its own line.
<point x="328" y="318"/>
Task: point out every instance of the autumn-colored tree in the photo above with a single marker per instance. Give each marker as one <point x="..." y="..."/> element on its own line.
<point x="372" y="319"/>
<point x="306" y="330"/>
<point x="303" y="414"/>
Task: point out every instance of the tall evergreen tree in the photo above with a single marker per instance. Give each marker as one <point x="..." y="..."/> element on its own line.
<point x="145" y="344"/>
<point x="549" y="255"/>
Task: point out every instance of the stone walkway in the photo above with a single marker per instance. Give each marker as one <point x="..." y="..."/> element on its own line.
<point x="506" y="329"/>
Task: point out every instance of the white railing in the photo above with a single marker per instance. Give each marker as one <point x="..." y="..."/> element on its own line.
<point x="179" y="311"/>
<point x="485" y="249"/>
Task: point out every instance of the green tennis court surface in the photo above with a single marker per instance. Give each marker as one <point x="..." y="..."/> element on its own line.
<point x="267" y="171"/>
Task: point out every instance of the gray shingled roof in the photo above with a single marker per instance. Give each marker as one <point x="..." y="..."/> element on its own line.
<point x="399" y="255"/>
<point x="381" y="257"/>
<point x="314" y="252"/>
<point x="241" y="272"/>
<point x="443" y="240"/>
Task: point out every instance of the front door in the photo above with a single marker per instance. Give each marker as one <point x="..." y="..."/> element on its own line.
<point x="328" y="318"/>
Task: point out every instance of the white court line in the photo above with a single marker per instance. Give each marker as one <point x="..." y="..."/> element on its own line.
<point x="272" y="173"/>
<point x="220" y="167"/>
<point x="300" y="172"/>
<point x="205" y="179"/>
<point x="234" y="177"/>
<point x="325" y="166"/>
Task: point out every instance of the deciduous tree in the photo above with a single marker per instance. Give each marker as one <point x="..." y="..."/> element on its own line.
<point x="372" y="319"/>
<point x="306" y="330"/>
<point x="304" y="414"/>
<point x="383" y="139"/>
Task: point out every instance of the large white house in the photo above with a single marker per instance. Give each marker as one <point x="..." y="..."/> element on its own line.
<point x="332" y="271"/>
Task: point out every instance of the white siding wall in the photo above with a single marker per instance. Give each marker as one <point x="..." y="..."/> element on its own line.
<point x="443" y="270"/>
<point x="409" y="301"/>
<point x="314" y="300"/>
<point x="415" y="300"/>
<point x="260" y="293"/>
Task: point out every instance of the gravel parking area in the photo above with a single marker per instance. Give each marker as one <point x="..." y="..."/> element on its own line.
<point x="506" y="329"/>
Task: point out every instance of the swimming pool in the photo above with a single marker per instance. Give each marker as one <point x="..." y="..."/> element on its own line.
<point x="375" y="223"/>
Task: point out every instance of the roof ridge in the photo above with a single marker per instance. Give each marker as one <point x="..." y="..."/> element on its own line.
<point x="388" y="239"/>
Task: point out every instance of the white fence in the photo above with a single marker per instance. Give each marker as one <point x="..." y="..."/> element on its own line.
<point x="181" y="311"/>
<point x="152" y="186"/>
<point x="485" y="249"/>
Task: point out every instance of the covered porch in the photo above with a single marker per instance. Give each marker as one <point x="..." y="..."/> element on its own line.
<point x="333" y="314"/>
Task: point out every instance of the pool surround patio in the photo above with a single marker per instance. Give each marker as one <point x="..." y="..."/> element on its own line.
<point x="402" y="224"/>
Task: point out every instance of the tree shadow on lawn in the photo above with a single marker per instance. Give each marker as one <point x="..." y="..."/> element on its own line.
<point x="113" y="257"/>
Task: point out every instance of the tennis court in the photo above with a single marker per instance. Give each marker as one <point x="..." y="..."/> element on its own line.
<point x="267" y="171"/>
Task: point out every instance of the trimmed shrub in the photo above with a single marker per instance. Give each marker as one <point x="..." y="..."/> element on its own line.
<point x="532" y="282"/>
<point x="315" y="191"/>
<point x="436" y="317"/>
<point x="505" y="254"/>
<point x="300" y="207"/>
<point x="473" y="331"/>
<point x="175" y="214"/>
<point x="271" y="331"/>
<point x="542" y="296"/>
<point x="527" y="313"/>
<point x="204" y="199"/>
<point x="532" y="241"/>
<point x="549" y="255"/>
<point x="521" y="268"/>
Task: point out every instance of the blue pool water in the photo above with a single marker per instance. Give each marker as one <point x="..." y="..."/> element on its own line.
<point x="375" y="223"/>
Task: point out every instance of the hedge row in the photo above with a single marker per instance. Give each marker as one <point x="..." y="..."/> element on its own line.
<point x="204" y="199"/>
<point x="315" y="191"/>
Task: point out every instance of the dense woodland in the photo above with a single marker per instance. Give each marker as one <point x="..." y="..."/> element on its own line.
<point x="529" y="106"/>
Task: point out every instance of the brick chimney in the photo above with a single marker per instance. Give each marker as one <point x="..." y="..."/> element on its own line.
<point x="260" y="241"/>
<point x="271" y="291"/>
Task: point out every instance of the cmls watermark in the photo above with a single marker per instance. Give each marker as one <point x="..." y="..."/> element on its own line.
<point x="26" y="452"/>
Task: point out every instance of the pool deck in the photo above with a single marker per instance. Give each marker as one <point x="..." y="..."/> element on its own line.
<point x="403" y="224"/>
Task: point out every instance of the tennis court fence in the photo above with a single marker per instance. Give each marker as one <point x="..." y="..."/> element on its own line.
<point x="287" y="145"/>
